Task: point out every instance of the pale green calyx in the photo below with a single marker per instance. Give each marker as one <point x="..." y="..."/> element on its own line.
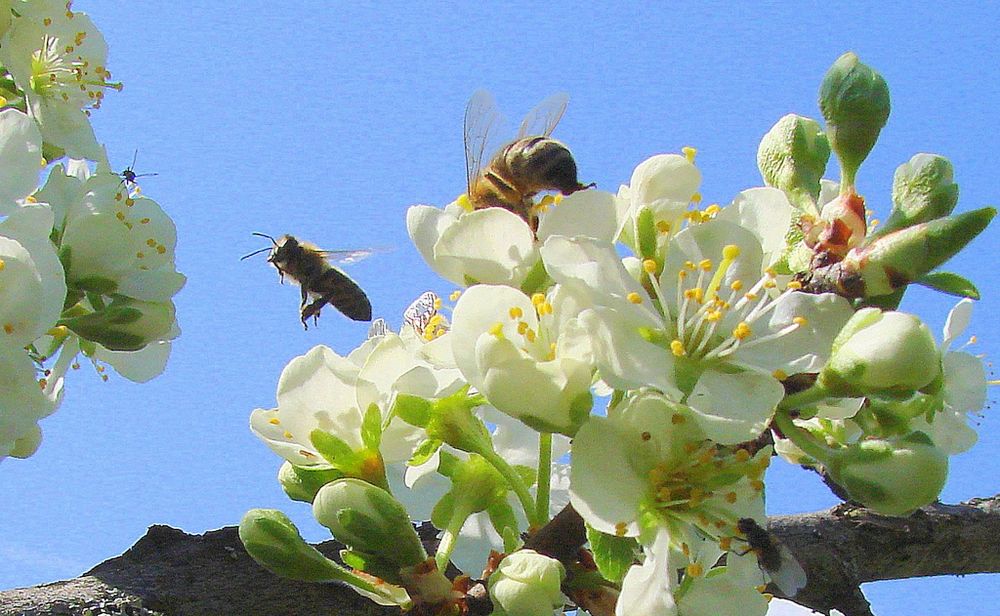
<point x="892" y="477"/>
<point x="274" y="542"/>
<point x="854" y="100"/>
<point x="881" y="352"/>
<point x="301" y="483"/>
<point x="527" y="584"/>
<point x="126" y="324"/>
<point x="922" y="189"/>
<point x="368" y="519"/>
<point x="792" y="157"/>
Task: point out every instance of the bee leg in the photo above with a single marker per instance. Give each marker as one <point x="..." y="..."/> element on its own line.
<point x="312" y="310"/>
<point x="305" y="296"/>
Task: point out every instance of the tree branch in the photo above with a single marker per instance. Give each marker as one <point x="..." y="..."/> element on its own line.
<point x="171" y="572"/>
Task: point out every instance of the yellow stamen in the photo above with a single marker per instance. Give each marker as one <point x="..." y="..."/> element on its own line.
<point x="537" y="299"/>
<point x="800" y="321"/>
<point x="287" y="435"/>
<point x="725" y="543"/>
<point x="497" y="330"/>
<point x="729" y="254"/>
<point x="663" y="226"/>
<point x="757" y="485"/>
<point x="731" y="498"/>
<point x="274" y="421"/>
<point x="649" y="266"/>
<point x="522" y="327"/>
<point x="3" y="264"/>
<point x="713" y="209"/>
<point x="779" y="374"/>
<point x="9" y="328"/>
<point x="634" y="297"/>
<point x="689" y="153"/>
<point x="530" y="335"/>
<point x="794" y="285"/>
<point x="695" y="570"/>
<point x="742" y="455"/>
<point x="455" y="295"/>
<point x="705" y="264"/>
<point x="464" y="202"/>
<point x="515" y="313"/>
<point x="741" y="331"/>
<point x="677" y="419"/>
<point x="677" y="348"/>
<point x="696" y="198"/>
<point x="620" y="529"/>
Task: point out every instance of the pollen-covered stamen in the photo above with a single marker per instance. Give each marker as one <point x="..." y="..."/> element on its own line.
<point x="56" y="74"/>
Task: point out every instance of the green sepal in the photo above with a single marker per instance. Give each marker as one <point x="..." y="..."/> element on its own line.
<point x="889" y="301"/>
<point x="414" y="410"/>
<point x="96" y="284"/>
<point x="613" y="555"/>
<point x="502" y="517"/>
<point x="443" y="510"/>
<point x="301" y="484"/>
<point x="526" y="473"/>
<point x="537" y="279"/>
<point x="511" y="539"/>
<point x="424" y="452"/>
<point x="645" y="225"/>
<point x="335" y="451"/>
<point x="371" y="564"/>
<point x="272" y="540"/>
<point x="950" y="283"/>
<point x="371" y="427"/>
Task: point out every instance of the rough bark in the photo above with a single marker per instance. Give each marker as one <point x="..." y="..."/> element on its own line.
<point x="173" y="573"/>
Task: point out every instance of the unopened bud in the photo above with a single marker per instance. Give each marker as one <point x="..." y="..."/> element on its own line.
<point x="368" y="519"/>
<point x="892" y="477"/>
<point x="922" y="190"/>
<point x="881" y="352"/>
<point x="274" y="542"/>
<point x="527" y="584"/>
<point x="854" y="100"/>
<point x="301" y="484"/>
<point x="792" y="156"/>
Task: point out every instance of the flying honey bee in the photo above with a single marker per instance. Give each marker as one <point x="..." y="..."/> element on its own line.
<point x="773" y="557"/>
<point x="309" y="267"/>
<point x="533" y="162"/>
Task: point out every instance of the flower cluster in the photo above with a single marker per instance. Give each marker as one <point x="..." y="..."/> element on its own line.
<point x="86" y="261"/>
<point x="680" y="347"/>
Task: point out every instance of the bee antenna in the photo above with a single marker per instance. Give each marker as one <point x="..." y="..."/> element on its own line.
<point x="273" y="241"/>
<point x="256" y="252"/>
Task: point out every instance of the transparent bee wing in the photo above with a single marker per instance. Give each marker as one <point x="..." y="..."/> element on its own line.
<point x="378" y="328"/>
<point x="542" y="120"/>
<point x="418" y="314"/>
<point x="790" y="577"/>
<point x="481" y="120"/>
<point x="346" y="257"/>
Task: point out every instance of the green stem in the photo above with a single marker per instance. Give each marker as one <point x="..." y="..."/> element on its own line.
<point x="803" y="439"/>
<point x="544" y="475"/>
<point x="803" y="398"/>
<point x="450" y="535"/>
<point x="516" y="483"/>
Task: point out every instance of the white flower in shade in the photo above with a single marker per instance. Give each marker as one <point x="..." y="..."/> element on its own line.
<point x="524" y="356"/>
<point x="495" y="246"/>
<point x="963" y="390"/>
<point x="32" y="284"/>
<point x="719" y="336"/>
<point x="115" y="244"/>
<point x="58" y="58"/>
<point x="20" y="158"/>
<point x="23" y="402"/>
<point x="648" y="464"/>
<point x="527" y="583"/>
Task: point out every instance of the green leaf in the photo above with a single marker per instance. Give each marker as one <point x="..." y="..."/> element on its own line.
<point x="335" y="451"/>
<point x="423" y="452"/>
<point x="443" y="510"/>
<point x="414" y="410"/>
<point x="613" y="555"/>
<point x="950" y="283"/>
<point x="371" y="427"/>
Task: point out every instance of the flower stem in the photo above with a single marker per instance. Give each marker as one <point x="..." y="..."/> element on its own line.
<point x="802" y="438"/>
<point x="544" y="475"/>
<point x="803" y="398"/>
<point x="516" y="483"/>
<point x="450" y="535"/>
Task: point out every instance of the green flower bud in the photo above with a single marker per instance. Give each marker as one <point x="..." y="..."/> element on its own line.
<point x="896" y="259"/>
<point x="368" y="519"/>
<point x="922" y="190"/>
<point x="881" y="352"/>
<point x="274" y="542"/>
<point x="892" y="477"/>
<point x="301" y="484"/>
<point x="792" y="157"/>
<point x="527" y="584"/>
<point x="126" y="324"/>
<point x="854" y="100"/>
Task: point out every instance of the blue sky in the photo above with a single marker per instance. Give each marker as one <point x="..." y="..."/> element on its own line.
<point x="327" y="120"/>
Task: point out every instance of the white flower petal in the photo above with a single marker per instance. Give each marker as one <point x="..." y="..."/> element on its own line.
<point x="589" y="213"/>
<point x="604" y="488"/>
<point x="958" y="319"/>
<point x="734" y="408"/>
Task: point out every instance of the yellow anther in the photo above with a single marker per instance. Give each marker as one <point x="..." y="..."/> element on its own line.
<point x="530" y="335"/>
<point x="9" y="328"/>
<point x="120" y="215"/>
<point x="464" y="202"/>
<point x="770" y="284"/>
<point x="649" y="266"/>
<point x="151" y="242"/>
<point x="497" y="330"/>
<point x="3" y="264"/>
<point x="706" y="264"/>
<point x="677" y="348"/>
<point x="454" y="295"/>
<point x="537" y="299"/>
<point x="730" y="251"/>
<point x="697" y="294"/>
<point x="713" y="316"/>
<point x="750" y="296"/>
<point x="725" y="543"/>
<point x="695" y="570"/>
<point x="663" y="226"/>
<point x="713" y="209"/>
<point x="31" y="199"/>
<point x="522" y="327"/>
<point x="544" y="308"/>
<point x="689" y="153"/>
<point x="779" y="374"/>
<point x="757" y="485"/>
<point x="690" y="448"/>
<point x="771" y="273"/>
<point x="515" y="312"/>
<point x="129" y="202"/>
<point x="696" y="198"/>
<point x="143" y="221"/>
<point x="685" y="549"/>
<point x="634" y="297"/>
<point x="741" y="331"/>
<point x="677" y="419"/>
<point x="287" y="435"/>
<point x="682" y="274"/>
<point x="620" y="529"/>
<point x="742" y="455"/>
<point x="274" y="421"/>
<point x="794" y="285"/>
<point x="663" y="493"/>
<point x="731" y="498"/>
<point x="690" y="265"/>
<point x="800" y="321"/>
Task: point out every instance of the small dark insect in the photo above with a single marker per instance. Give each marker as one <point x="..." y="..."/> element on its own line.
<point x="773" y="557"/>
<point x="128" y="174"/>
<point x="325" y="284"/>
